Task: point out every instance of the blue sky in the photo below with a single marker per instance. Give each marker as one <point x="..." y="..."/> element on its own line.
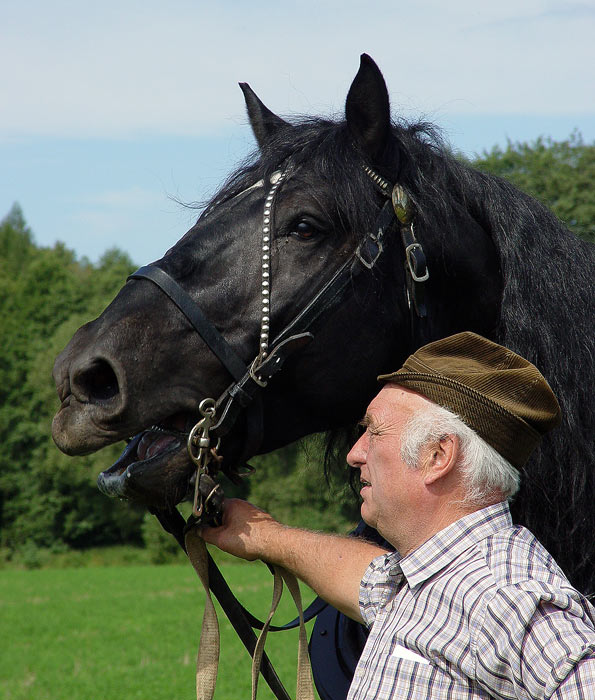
<point x="112" y="111"/>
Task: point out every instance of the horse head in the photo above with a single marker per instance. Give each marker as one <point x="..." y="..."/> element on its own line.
<point x="258" y="265"/>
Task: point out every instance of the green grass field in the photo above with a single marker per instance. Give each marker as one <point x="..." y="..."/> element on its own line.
<point x="107" y="633"/>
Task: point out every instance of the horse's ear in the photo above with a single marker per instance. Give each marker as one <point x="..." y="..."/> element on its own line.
<point x="367" y="108"/>
<point x="263" y="122"/>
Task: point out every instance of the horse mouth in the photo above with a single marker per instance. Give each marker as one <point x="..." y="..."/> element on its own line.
<point x="154" y="469"/>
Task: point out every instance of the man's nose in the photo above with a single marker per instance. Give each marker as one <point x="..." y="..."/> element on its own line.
<point x="357" y="454"/>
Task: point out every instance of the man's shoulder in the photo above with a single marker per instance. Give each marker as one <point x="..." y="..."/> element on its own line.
<point x="521" y="577"/>
<point x="515" y="556"/>
<point x="509" y="563"/>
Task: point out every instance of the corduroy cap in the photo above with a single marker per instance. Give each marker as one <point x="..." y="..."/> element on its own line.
<point x="497" y="393"/>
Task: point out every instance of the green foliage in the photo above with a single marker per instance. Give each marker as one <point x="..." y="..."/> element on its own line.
<point x="46" y="498"/>
<point x="561" y="174"/>
<point x="291" y="485"/>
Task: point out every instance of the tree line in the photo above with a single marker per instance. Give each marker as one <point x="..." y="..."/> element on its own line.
<point x="50" y="500"/>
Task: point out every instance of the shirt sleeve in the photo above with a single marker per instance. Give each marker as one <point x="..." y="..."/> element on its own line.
<point x="559" y="652"/>
<point x="375" y="588"/>
<point x="536" y="643"/>
<point x="579" y="684"/>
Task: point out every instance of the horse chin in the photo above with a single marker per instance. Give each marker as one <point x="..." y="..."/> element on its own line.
<point x="154" y="470"/>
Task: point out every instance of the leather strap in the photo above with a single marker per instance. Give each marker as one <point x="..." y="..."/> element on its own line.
<point x="240" y="618"/>
<point x="331" y="295"/>
<point x="207" y="331"/>
<point x="207" y="658"/>
<point x="238" y="396"/>
<point x="416" y="270"/>
<point x="173" y="523"/>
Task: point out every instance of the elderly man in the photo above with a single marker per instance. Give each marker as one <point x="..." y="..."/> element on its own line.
<point x="469" y="606"/>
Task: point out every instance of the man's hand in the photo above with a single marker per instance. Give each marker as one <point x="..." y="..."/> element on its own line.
<point x="245" y="531"/>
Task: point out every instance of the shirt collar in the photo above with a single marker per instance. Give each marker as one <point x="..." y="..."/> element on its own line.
<point x="446" y="545"/>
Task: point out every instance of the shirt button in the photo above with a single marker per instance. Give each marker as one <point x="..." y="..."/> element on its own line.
<point x="394" y="571"/>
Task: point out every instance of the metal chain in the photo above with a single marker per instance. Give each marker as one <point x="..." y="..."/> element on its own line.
<point x="201" y="452"/>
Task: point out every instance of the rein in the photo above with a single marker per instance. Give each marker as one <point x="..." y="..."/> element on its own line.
<point x="218" y="417"/>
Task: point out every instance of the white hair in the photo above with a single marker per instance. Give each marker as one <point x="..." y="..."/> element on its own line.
<point x="486" y="473"/>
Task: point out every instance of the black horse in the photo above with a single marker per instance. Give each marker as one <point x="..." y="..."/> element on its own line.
<point x="308" y="225"/>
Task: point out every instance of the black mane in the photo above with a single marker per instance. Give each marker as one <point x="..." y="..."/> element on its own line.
<point x="539" y="260"/>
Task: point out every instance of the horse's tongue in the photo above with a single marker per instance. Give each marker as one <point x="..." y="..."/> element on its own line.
<point x="153" y="443"/>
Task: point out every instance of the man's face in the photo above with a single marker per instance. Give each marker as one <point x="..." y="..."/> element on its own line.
<point x="391" y="490"/>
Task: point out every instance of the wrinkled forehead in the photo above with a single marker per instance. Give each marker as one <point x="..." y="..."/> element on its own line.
<point x="395" y="401"/>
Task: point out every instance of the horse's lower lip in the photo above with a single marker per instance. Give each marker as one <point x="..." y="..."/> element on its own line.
<point x="138" y="460"/>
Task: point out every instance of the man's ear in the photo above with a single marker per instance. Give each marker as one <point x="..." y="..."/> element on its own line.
<point x="441" y="458"/>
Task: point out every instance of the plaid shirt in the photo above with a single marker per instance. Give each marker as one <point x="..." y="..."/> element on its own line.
<point x="480" y="610"/>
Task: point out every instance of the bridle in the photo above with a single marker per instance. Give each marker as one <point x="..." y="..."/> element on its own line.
<point x="249" y="379"/>
<point x="244" y="393"/>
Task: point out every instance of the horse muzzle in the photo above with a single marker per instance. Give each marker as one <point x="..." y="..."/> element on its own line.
<point x="160" y="480"/>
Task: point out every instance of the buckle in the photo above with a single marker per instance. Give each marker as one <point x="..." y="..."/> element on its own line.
<point x="370" y="241"/>
<point x="413" y="262"/>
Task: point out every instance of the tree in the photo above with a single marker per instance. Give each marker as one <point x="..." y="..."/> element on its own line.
<point x="46" y="497"/>
<point x="561" y="174"/>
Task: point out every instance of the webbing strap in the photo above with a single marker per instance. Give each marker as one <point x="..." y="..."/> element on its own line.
<point x="304" y="686"/>
<point x="259" y="649"/>
<point x="207" y="658"/>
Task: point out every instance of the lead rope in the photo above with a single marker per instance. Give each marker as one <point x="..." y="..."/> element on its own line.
<point x="304" y="686"/>
<point x="207" y="657"/>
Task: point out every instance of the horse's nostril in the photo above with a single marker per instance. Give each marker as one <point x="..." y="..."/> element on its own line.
<point x="97" y="382"/>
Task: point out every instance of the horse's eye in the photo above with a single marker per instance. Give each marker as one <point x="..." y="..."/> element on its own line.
<point x="304" y="230"/>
